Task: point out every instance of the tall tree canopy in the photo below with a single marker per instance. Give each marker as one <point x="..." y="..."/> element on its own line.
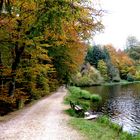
<point x="45" y="38"/>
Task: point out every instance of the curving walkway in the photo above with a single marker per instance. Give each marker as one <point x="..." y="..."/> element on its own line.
<point x="45" y="120"/>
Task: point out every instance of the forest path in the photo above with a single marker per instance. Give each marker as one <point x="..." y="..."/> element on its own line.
<point x="44" y="120"/>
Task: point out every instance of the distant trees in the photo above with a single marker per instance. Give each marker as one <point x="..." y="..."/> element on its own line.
<point x="112" y="64"/>
<point x="88" y="76"/>
<point x="133" y="48"/>
<point x="95" y="54"/>
<point x="100" y="58"/>
<point x="102" y="67"/>
<point x="131" y="42"/>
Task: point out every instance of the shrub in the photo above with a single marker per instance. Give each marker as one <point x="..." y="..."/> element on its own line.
<point x="137" y="75"/>
<point x="81" y="97"/>
<point x="85" y="94"/>
<point x="88" y="77"/>
<point x="104" y="120"/>
<point x="130" y="77"/>
<point x="95" y="98"/>
<point x="74" y="90"/>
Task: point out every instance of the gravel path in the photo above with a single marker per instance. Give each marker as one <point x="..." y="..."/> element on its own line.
<point x="45" y="120"/>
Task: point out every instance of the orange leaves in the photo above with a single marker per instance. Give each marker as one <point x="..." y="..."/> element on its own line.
<point x="50" y="35"/>
<point x="121" y="61"/>
<point x="124" y="58"/>
<point x="77" y="51"/>
<point x="118" y="57"/>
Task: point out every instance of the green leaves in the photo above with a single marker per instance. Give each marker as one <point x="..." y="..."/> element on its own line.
<point x="45" y="36"/>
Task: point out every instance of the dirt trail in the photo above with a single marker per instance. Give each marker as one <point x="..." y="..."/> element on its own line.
<point x="45" y="120"/>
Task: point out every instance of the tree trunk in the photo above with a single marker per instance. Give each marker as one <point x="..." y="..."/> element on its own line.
<point x="19" y="49"/>
<point x="1" y="71"/>
<point x="18" y="52"/>
<point x="1" y="5"/>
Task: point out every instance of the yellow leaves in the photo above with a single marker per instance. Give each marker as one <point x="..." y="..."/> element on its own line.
<point x="25" y="5"/>
<point x="44" y="57"/>
<point x="19" y="75"/>
<point x="29" y="42"/>
<point x="29" y="5"/>
<point x="37" y="68"/>
<point x="45" y="45"/>
<point x="124" y="58"/>
<point x="132" y="70"/>
<point x="6" y="71"/>
<point x="38" y="38"/>
<point x="42" y="26"/>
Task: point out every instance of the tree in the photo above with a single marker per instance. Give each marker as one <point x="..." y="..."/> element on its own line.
<point x="119" y="60"/>
<point x="94" y="55"/>
<point x="133" y="48"/>
<point x="88" y="76"/>
<point x="131" y="42"/>
<point x="125" y="64"/>
<point x="102" y="67"/>
<point x="45" y="31"/>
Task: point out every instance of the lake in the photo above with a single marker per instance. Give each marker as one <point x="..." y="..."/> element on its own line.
<point x="122" y="104"/>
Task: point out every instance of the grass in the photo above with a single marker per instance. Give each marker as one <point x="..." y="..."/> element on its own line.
<point x="99" y="129"/>
<point x="82" y="97"/>
<point x="96" y="130"/>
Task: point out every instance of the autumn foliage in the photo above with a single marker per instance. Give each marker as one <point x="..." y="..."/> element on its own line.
<point x="41" y="44"/>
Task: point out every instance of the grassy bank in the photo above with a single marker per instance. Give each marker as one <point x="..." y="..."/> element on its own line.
<point x="82" y="97"/>
<point x="122" y="82"/>
<point x="99" y="129"/>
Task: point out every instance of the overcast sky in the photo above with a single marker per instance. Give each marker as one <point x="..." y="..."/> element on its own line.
<point x="122" y="20"/>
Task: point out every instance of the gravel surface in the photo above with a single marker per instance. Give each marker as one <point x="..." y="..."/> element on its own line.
<point x="45" y="120"/>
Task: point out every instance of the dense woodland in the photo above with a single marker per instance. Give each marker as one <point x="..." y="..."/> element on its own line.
<point x="43" y="44"/>
<point x="106" y="64"/>
<point x="103" y="63"/>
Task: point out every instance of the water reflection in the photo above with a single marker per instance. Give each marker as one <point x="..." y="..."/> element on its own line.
<point x="122" y="104"/>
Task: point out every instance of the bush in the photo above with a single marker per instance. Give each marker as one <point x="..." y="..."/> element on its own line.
<point x="95" y="98"/>
<point x="137" y="75"/>
<point x="81" y="97"/>
<point x="130" y="77"/>
<point x="104" y="120"/>
<point x="85" y="94"/>
<point x="78" y="93"/>
<point x="84" y="81"/>
<point x="74" y="90"/>
<point x="88" y="77"/>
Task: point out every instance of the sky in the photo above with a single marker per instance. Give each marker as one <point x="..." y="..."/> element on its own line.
<point x="121" y="20"/>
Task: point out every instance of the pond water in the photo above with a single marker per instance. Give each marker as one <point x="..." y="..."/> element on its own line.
<point x="122" y="104"/>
